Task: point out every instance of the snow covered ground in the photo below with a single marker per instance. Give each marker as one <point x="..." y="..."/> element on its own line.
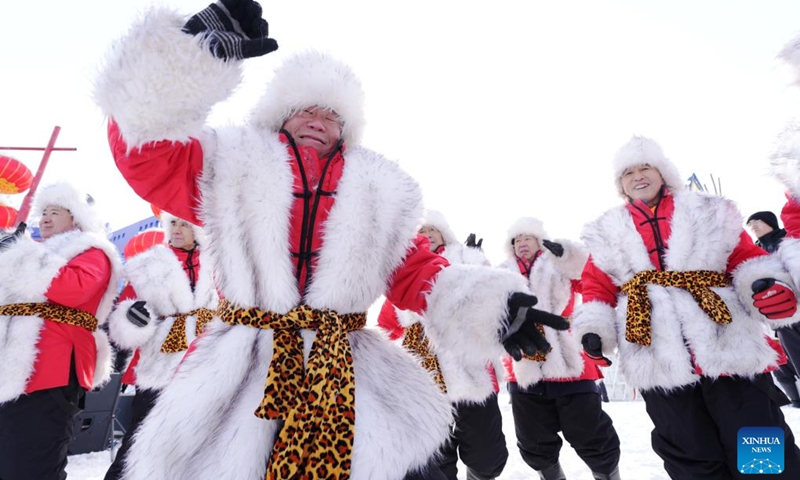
<point x="630" y="419"/>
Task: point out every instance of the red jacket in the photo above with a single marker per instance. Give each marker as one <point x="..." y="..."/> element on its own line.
<point x="790" y="216"/>
<point x="81" y="284"/>
<point x="170" y="183"/>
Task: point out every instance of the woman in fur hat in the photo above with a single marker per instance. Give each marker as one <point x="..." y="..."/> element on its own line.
<point x="165" y="306"/>
<point x="680" y="289"/>
<point x="54" y="295"/>
<point x="306" y="230"/>
<point x="478" y="430"/>
<point x="557" y="391"/>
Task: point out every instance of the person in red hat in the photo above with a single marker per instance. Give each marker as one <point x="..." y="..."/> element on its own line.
<point x="165" y="305"/>
<point x="55" y="296"/>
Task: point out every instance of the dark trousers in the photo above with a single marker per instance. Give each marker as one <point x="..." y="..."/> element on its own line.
<point x="579" y="416"/>
<point x="790" y="339"/>
<point x="696" y="427"/>
<point x="478" y="438"/>
<point x="143" y="402"/>
<point x="35" y="431"/>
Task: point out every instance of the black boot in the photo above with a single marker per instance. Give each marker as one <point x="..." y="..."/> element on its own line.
<point x="472" y="475"/>
<point x="607" y="476"/>
<point x="790" y="388"/>
<point x="553" y="472"/>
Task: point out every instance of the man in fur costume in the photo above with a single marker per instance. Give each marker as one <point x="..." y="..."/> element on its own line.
<point x="53" y="297"/>
<point x="306" y="230"/>
<point x="168" y="301"/>
<point x="678" y="286"/>
<point x="478" y="430"/>
<point x="556" y="391"/>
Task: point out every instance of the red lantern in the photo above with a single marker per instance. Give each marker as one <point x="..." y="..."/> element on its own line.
<point x="8" y="217"/>
<point x="156" y="211"/>
<point x="143" y="241"/>
<point x="15" y="177"/>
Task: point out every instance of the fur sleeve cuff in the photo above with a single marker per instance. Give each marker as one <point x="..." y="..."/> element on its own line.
<point x="406" y="318"/>
<point x="105" y="358"/>
<point x="467" y="307"/>
<point x="159" y="83"/>
<point x="124" y="333"/>
<point x="770" y="266"/>
<point x="33" y="267"/>
<point x="599" y="318"/>
<point x="573" y="260"/>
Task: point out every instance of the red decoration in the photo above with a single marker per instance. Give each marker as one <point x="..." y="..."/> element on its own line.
<point x="15" y="177"/>
<point x="156" y="211"/>
<point x="143" y="241"/>
<point x="8" y="217"/>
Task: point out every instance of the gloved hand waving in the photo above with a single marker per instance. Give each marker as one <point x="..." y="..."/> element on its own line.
<point x="593" y="347"/>
<point x="233" y="29"/>
<point x="472" y="243"/>
<point x="137" y="314"/>
<point x="554" y="247"/>
<point x="774" y="299"/>
<point x="522" y="335"/>
<point x="10" y="239"/>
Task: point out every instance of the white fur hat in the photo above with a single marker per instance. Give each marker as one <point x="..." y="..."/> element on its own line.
<point x="435" y="219"/>
<point x="525" y="226"/>
<point x="641" y="151"/>
<point x="79" y="204"/>
<point x="313" y="79"/>
<point x="166" y="223"/>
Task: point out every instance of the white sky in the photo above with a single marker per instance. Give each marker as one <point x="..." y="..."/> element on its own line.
<point x="499" y="109"/>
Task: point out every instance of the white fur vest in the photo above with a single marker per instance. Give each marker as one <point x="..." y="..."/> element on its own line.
<point x="550" y="281"/>
<point x="34" y="265"/>
<point x="705" y="229"/>
<point x="158" y="278"/>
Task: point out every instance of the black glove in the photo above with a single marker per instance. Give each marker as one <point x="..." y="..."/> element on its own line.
<point x="522" y="336"/>
<point x="233" y="29"/>
<point x="554" y="247"/>
<point x="471" y="242"/>
<point x="594" y="348"/>
<point x="10" y="239"/>
<point x="138" y="314"/>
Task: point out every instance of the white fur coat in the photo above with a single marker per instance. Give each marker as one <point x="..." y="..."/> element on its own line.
<point x="158" y="278"/>
<point x="34" y="265"/>
<point x="550" y="281"/>
<point x="705" y="230"/>
<point x="401" y="415"/>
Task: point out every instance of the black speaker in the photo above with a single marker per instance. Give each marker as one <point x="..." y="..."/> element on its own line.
<point x="92" y="427"/>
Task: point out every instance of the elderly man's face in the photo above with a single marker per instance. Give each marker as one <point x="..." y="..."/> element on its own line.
<point x="317" y="128"/>
<point x="642" y="182"/>
<point x="433" y="235"/>
<point x="55" y="220"/>
<point x="526" y="246"/>
<point x="182" y="235"/>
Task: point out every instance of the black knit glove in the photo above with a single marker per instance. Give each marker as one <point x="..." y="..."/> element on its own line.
<point x="554" y="247"/>
<point x="593" y="347"/>
<point x="11" y="238"/>
<point x="233" y="29"/>
<point x="138" y="315"/>
<point x="472" y="243"/>
<point x="522" y="336"/>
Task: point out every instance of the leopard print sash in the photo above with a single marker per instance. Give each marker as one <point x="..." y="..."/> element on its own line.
<point x="416" y="342"/>
<point x="318" y="405"/>
<point x="697" y="283"/>
<point x="54" y="312"/>
<point x="176" y="340"/>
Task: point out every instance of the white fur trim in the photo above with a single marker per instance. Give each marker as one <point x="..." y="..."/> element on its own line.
<point x="767" y="266"/>
<point x="458" y="254"/>
<point x="125" y="333"/>
<point x="785" y="159"/>
<point x="599" y="318"/>
<point x="524" y="226"/>
<point x="791" y="55"/>
<point x="467" y="308"/>
<point x="640" y="151"/>
<point x="104" y="360"/>
<point x="159" y="83"/>
<point x="313" y="79"/>
<point x="66" y="195"/>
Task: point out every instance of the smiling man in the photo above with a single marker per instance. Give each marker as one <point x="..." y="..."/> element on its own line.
<point x="680" y="289"/>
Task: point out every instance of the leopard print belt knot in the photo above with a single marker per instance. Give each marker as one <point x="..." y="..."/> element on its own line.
<point x="54" y="312"/>
<point x="416" y="342"/>
<point x="176" y="340"/>
<point x="697" y="283"/>
<point x="318" y="405"/>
